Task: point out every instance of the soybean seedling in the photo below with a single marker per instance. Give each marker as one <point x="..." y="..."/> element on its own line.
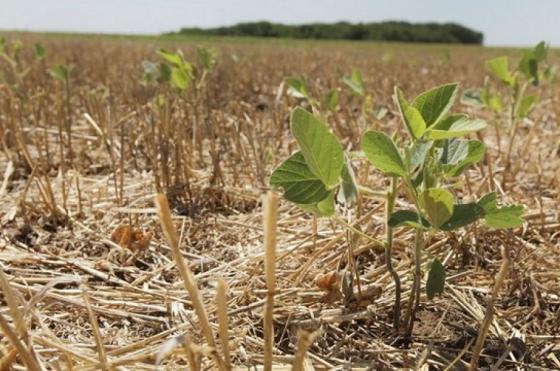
<point x="15" y="72"/>
<point x="433" y="154"/>
<point x="61" y="73"/>
<point x="188" y="79"/>
<point x="297" y="87"/>
<point x="357" y="86"/>
<point x="519" y="101"/>
<point x="319" y="173"/>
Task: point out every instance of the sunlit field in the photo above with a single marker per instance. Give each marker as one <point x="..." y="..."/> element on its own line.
<point x="228" y="203"/>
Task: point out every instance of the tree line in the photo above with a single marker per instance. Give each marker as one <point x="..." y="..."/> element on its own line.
<point x="382" y="31"/>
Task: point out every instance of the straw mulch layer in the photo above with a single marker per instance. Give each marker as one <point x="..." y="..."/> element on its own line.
<point x="88" y="276"/>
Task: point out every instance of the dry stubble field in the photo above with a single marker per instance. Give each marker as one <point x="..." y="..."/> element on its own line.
<point x="80" y="166"/>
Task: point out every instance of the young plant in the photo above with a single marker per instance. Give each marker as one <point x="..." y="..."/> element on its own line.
<point x="355" y="82"/>
<point x="297" y="88"/>
<point x="319" y="174"/>
<point x="357" y="86"/>
<point x="520" y="100"/>
<point x="15" y="72"/>
<point x="423" y="165"/>
<point x="61" y="73"/>
<point x="189" y="81"/>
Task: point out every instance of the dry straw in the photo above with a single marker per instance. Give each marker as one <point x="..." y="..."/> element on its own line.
<point x="305" y="339"/>
<point x="270" y="220"/>
<point x="96" y="333"/>
<point x="190" y="285"/>
<point x="221" y="303"/>
<point x="489" y="314"/>
<point x="15" y="335"/>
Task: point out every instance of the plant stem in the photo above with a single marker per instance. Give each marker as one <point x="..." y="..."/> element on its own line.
<point x="389" y="207"/>
<point x="516" y="96"/>
<point x="370" y="192"/>
<point x="357" y="231"/>
<point x="414" y="299"/>
<point x="68" y="118"/>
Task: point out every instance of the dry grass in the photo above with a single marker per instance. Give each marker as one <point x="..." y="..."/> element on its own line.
<point x="72" y="298"/>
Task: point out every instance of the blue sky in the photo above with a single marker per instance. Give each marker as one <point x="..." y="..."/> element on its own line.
<point x="504" y="22"/>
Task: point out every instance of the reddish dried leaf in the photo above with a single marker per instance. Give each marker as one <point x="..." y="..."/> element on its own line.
<point x="328" y="281"/>
<point x="131" y="238"/>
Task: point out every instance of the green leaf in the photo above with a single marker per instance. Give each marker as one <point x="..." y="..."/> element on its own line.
<point x="409" y="218"/>
<point x="415" y="121"/>
<point x="525" y="106"/>
<point x="331" y="100"/>
<point x="349" y="192"/>
<point x="382" y="153"/>
<point x="438" y="204"/>
<point x="472" y="97"/>
<point x="321" y="149"/>
<point x="505" y="217"/>
<point x="459" y="154"/>
<point x="436" y="279"/>
<point x="500" y="68"/>
<point x="488" y="202"/>
<point x="173" y="58"/>
<point x="500" y="217"/>
<point x="463" y="214"/>
<point x="446" y="123"/>
<point x="164" y="73"/>
<point x="418" y="153"/>
<point x="180" y="78"/>
<point x="540" y="51"/>
<point x="17" y="46"/>
<point x="355" y="82"/>
<point x="529" y="63"/>
<point x="206" y="58"/>
<point x="411" y="116"/>
<point x="324" y="208"/>
<point x="495" y="102"/>
<point x="529" y="66"/>
<point x="299" y="183"/>
<point x="454" y="151"/>
<point x="39" y="51"/>
<point x="435" y="103"/>
<point x="59" y="72"/>
<point x="297" y="87"/>
<point x="459" y="128"/>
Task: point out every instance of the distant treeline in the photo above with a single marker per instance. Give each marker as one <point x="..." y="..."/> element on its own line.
<point x="383" y="31"/>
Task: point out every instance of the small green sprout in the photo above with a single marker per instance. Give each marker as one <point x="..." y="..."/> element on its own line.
<point x="182" y="72"/>
<point x="519" y="101"/>
<point x="331" y="100"/>
<point x="355" y="82"/>
<point x="60" y="73"/>
<point x="40" y="51"/>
